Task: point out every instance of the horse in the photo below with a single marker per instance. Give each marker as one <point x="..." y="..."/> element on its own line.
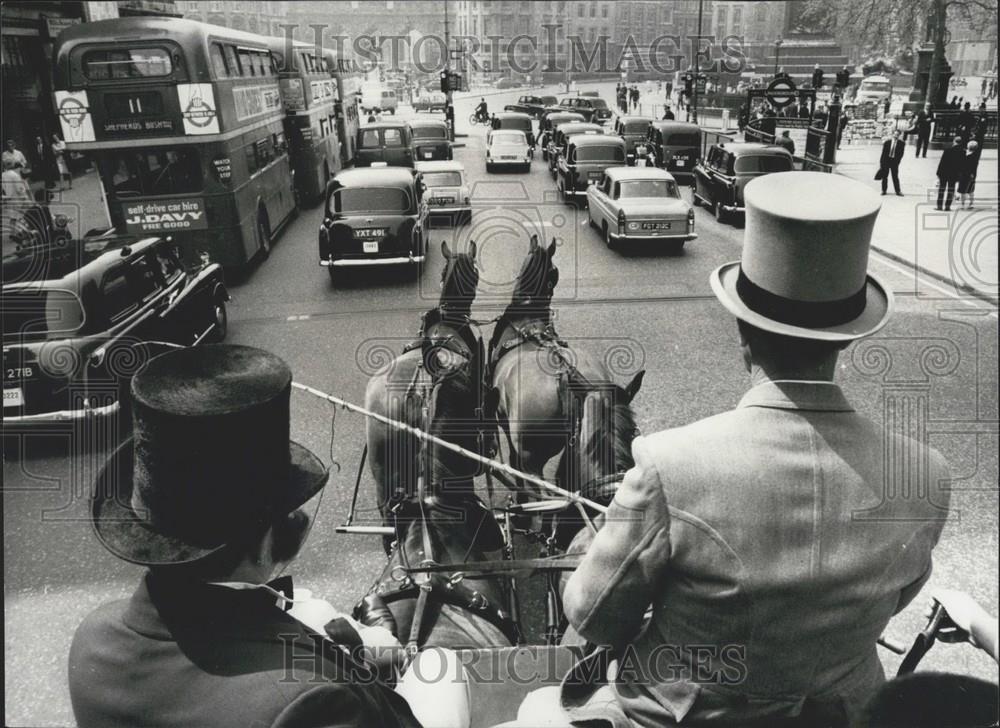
<point x="437" y="378"/>
<point x="434" y="386"/>
<point x="534" y="375"/>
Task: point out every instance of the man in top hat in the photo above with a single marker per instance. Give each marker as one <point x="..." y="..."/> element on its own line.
<point x="771" y="543"/>
<point x="210" y="496"/>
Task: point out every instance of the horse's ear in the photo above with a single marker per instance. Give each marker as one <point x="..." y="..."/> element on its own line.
<point x="552" y="249"/>
<point x="472" y="249"/>
<point x="445" y="250"/>
<point x="533" y="243"/>
<point x="632" y="388"/>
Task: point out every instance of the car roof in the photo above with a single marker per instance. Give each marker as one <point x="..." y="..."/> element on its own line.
<point x="440" y="166"/>
<point x="512" y="115"/>
<point x="675" y="126"/>
<point x="106" y="256"/>
<point x="579" y="126"/>
<point x="427" y="122"/>
<point x="623" y="173"/>
<point x="374" y="175"/>
<point x="643" y="119"/>
<point x="741" y="148"/>
<point x="590" y="140"/>
<point x="385" y="125"/>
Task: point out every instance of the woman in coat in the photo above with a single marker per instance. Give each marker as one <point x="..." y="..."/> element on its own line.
<point x="967" y="181"/>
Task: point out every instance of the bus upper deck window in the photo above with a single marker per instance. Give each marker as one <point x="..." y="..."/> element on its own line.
<point x="219" y="61"/>
<point x="104" y="65"/>
<point x="231" y="63"/>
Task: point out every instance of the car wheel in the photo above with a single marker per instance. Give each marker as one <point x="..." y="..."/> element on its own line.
<point x="220" y="319"/>
<point x="336" y="275"/>
<point x="720" y="214"/>
<point x="545" y="156"/>
<point x="695" y="200"/>
<point x="263" y="238"/>
<point x="606" y="232"/>
<point x="489" y="168"/>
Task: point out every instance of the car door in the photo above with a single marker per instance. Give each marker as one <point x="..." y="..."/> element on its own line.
<point x="369" y="147"/>
<point x="701" y="178"/>
<point x="602" y="199"/>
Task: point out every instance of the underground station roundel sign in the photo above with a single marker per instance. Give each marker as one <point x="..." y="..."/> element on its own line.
<point x="781" y="92"/>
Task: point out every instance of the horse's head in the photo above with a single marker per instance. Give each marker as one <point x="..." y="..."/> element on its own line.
<point x="604" y="442"/>
<point x="459" y="277"/>
<point x="537" y="279"/>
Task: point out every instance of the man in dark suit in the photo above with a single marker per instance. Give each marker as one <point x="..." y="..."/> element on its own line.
<point x="949" y="172"/>
<point x="210" y="496"/>
<point x="922" y="126"/>
<point x="892" y="153"/>
<point x="817" y="77"/>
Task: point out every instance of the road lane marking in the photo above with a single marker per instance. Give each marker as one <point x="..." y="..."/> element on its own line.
<point x="299" y="317"/>
<point x="922" y="278"/>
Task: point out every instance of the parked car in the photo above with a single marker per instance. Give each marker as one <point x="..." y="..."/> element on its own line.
<point x="874" y="89"/>
<point x="590" y="107"/>
<point x="80" y="320"/>
<point x="562" y="133"/>
<point x="514" y="120"/>
<point x="429" y="138"/>
<point x="378" y="99"/>
<point x="674" y="146"/>
<point x="430" y="101"/>
<point x="446" y="191"/>
<point x="372" y="217"/>
<point x="586" y="158"/>
<point x="531" y="105"/>
<point x="549" y="121"/>
<point x="640" y="204"/>
<point x="633" y="129"/>
<point x="384" y="143"/>
<point x="591" y="94"/>
<point x="508" y="148"/>
<point x="721" y="177"/>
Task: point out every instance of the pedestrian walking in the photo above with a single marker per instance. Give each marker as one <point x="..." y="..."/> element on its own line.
<point x="966" y="122"/>
<point x="845" y="119"/>
<point x="59" y="152"/>
<point x="922" y="126"/>
<point x="949" y="171"/>
<point x="16" y="158"/>
<point x="967" y="180"/>
<point x="817" y="77"/>
<point x="47" y="170"/>
<point x="892" y="154"/>
<point x="13" y="184"/>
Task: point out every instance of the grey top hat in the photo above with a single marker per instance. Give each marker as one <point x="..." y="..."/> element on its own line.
<point x="804" y="271"/>
<point x="210" y="460"/>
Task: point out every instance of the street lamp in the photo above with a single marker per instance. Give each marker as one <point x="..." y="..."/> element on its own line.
<point x="777" y="51"/>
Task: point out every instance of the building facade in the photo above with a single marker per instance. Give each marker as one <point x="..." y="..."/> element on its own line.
<point x="263" y="17"/>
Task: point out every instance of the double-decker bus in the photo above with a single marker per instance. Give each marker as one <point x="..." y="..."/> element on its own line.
<point x="185" y="123"/>
<point x="308" y="92"/>
<point x="348" y="77"/>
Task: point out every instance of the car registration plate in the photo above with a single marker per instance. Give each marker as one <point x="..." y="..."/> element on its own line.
<point x="370" y="246"/>
<point x="13" y="397"/>
<point x="442" y="200"/>
<point x="594" y="175"/>
<point x="370" y="233"/>
<point x="507" y="156"/>
<point x="428" y="155"/>
<point x="656" y="226"/>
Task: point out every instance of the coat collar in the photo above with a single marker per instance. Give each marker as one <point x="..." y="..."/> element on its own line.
<point x="797" y="395"/>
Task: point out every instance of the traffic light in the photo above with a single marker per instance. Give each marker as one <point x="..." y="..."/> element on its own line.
<point x="688" y="85"/>
<point x="451" y="81"/>
<point x="444" y="80"/>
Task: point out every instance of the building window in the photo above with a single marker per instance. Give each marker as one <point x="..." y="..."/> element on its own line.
<point x="761" y="12"/>
<point x="604" y="11"/>
<point x="737" y="19"/>
<point x="579" y="11"/>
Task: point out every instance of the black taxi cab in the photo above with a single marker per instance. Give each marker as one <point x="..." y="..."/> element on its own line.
<point x="81" y="317"/>
<point x="514" y="120"/>
<point x="384" y="143"/>
<point x="429" y="139"/>
<point x="633" y="130"/>
<point x="373" y="217"/>
<point x="562" y="133"/>
<point x="674" y="146"/>
<point x="552" y="118"/>
<point x="584" y="162"/>
<point x="720" y="178"/>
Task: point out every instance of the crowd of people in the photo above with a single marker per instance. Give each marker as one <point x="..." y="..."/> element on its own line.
<point x="47" y="167"/>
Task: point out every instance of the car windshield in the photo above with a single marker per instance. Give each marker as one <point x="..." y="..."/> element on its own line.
<point x="760" y="163"/>
<point x="683" y="139"/>
<point x="875" y="86"/>
<point x="443" y="179"/>
<point x="647" y="188"/>
<point x="137" y="172"/>
<point x="40" y="314"/>
<point x="519" y="124"/>
<point x="508" y="137"/>
<point x="604" y="153"/>
<point x="430" y="132"/>
<point x="371" y="199"/>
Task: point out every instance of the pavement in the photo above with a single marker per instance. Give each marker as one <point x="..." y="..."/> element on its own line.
<point x="637" y="309"/>
<point x="957" y="248"/>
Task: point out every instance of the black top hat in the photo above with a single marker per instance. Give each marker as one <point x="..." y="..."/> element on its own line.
<point x="210" y="460"/>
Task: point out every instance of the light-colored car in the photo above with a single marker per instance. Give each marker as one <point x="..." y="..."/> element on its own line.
<point x="430" y="101"/>
<point x="641" y="204"/>
<point x="446" y="191"/>
<point x="506" y="148"/>
<point x="378" y="99"/>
